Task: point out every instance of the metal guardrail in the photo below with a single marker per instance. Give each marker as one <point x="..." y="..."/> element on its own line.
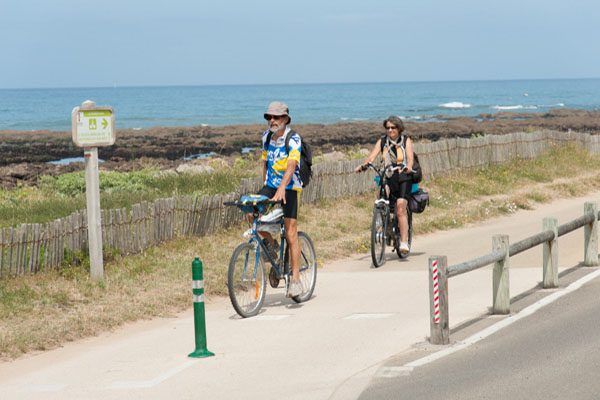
<point x="439" y="272"/>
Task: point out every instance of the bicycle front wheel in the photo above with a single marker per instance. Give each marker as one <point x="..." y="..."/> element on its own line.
<point x="308" y="267"/>
<point x="246" y="280"/>
<point x="378" y="229"/>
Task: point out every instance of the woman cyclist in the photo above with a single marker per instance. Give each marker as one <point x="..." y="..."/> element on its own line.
<point x="396" y="150"/>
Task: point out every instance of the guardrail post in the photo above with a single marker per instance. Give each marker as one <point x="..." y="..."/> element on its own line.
<point x="501" y="293"/>
<point x="590" y="233"/>
<point x="438" y="300"/>
<point x="550" y="249"/>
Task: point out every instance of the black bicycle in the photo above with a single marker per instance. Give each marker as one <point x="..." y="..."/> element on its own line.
<point x="246" y="278"/>
<point x="384" y="227"/>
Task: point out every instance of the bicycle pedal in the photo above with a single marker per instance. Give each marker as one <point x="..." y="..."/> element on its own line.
<point x="273" y="278"/>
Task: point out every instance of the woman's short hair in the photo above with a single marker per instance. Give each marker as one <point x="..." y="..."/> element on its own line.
<point x="396" y="121"/>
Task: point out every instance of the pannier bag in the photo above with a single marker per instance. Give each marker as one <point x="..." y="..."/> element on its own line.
<point x="418" y="201"/>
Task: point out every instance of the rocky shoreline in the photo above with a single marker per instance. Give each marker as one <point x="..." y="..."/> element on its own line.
<point x="25" y="155"/>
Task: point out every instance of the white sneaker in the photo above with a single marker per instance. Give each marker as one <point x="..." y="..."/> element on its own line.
<point x="294" y="289"/>
<point x="404" y="247"/>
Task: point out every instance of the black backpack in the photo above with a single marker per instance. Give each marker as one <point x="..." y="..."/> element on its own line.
<point x="417" y="176"/>
<point x="305" y="156"/>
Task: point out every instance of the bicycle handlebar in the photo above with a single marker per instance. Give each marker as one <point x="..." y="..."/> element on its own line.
<point x="381" y="171"/>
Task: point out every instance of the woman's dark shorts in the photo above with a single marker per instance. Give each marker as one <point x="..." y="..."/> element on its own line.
<point x="290" y="208"/>
<point x="400" y="185"/>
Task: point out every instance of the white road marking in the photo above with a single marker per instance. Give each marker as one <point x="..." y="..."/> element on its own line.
<point x="393" y="372"/>
<point x="369" y="316"/>
<point x="505" y="322"/>
<point x="153" y="382"/>
<point x="44" y="388"/>
<point x="276" y="317"/>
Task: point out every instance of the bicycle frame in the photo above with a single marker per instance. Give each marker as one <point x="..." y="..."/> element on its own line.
<point x="247" y="282"/>
<point x="255" y="237"/>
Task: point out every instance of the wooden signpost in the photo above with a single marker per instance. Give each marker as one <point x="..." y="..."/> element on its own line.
<point x="93" y="127"/>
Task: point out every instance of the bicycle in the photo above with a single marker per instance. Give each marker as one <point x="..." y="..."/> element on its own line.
<point x="384" y="226"/>
<point x="246" y="275"/>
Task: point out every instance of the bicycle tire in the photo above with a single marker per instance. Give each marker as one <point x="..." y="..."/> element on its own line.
<point x="308" y="267"/>
<point x="378" y="232"/>
<point x="246" y="280"/>
<point x="397" y="246"/>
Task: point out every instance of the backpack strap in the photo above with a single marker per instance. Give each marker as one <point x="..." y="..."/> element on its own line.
<point x="401" y="147"/>
<point x="287" y="141"/>
<point x="382" y="143"/>
<point x="269" y="136"/>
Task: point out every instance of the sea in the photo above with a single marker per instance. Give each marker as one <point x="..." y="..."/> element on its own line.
<point x="323" y="103"/>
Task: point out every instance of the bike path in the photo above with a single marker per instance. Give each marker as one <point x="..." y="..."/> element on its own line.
<point x="329" y="347"/>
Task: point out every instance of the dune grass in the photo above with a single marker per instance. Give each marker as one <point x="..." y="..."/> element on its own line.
<point x="43" y="311"/>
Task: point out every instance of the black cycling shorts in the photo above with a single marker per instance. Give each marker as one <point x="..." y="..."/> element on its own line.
<point x="400" y="185"/>
<point x="290" y="208"/>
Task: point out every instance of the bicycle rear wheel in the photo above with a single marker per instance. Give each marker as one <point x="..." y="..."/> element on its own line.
<point x="246" y="280"/>
<point x="308" y="267"/>
<point x="378" y="230"/>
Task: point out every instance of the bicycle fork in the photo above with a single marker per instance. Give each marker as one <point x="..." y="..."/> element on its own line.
<point x="382" y="206"/>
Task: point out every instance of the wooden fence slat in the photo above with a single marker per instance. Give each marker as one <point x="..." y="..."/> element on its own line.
<point x="135" y="222"/>
<point x="19" y="249"/>
<point x="25" y="248"/>
<point x="45" y="246"/>
<point x="34" y="263"/>
<point x="2" y="251"/>
<point x="145" y="224"/>
<point x="50" y="246"/>
<point x="104" y="229"/>
<point x="61" y="243"/>
<point x="83" y="233"/>
<point x="127" y="227"/>
<point x="119" y="230"/>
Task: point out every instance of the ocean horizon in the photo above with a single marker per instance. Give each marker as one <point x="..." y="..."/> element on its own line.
<point x="144" y="107"/>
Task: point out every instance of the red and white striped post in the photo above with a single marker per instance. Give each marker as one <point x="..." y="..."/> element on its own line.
<point x="438" y="300"/>
<point x="436" y="292"/>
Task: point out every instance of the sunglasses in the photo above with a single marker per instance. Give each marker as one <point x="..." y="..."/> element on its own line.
<point x="275" y="117"/>
<point x="387" y="128"/>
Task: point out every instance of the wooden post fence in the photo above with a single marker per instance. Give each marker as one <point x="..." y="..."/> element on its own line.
<point x="500" y="257"/>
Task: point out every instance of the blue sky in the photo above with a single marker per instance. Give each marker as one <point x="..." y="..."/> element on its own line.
<point x="67" y="43"/>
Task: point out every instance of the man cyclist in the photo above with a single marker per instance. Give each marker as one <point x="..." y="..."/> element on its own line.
<point x="282" y="181"/>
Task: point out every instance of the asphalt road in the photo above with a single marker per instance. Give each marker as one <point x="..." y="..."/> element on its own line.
<point x="551" y="354"/>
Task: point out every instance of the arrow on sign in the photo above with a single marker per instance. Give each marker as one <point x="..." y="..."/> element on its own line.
<point x="104" y="123"/>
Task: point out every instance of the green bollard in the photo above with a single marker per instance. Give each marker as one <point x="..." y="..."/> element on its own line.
<point x="199" y="317"/>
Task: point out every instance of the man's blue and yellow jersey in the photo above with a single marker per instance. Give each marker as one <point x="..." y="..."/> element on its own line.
<point x="277" y="158"/>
